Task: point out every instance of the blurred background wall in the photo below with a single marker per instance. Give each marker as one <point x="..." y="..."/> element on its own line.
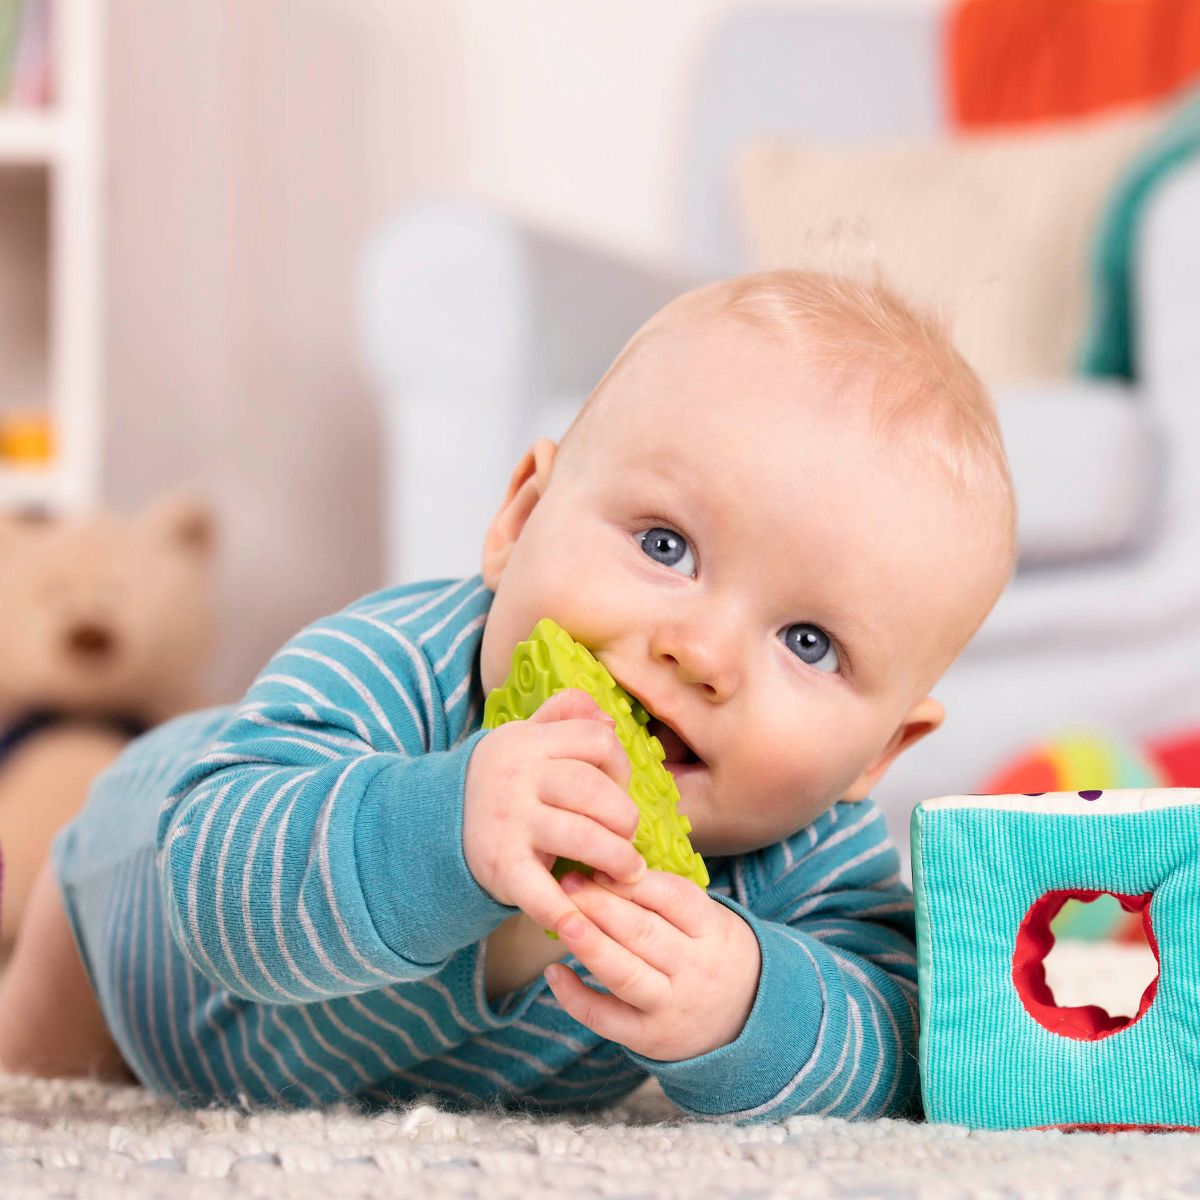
<point x="253" y="147"/>
<point x="1031" y="170"/>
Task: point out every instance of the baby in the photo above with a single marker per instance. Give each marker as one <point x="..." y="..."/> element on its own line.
<point x="778" y="518"/>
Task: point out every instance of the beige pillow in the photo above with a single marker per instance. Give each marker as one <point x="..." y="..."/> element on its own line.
<point x="994" y="229"/>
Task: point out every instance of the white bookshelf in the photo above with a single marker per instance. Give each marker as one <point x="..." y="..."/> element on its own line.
<point x="64" y="141"/>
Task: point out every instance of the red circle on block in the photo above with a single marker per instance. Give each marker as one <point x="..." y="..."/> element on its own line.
<point x="1034" y="940"/>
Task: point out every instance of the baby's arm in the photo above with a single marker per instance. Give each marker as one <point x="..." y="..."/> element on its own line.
<point x="315" y="849"/>
<point x="833" y="1030"/>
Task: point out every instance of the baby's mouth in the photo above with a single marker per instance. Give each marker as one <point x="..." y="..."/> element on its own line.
<point x="675" y="748"/>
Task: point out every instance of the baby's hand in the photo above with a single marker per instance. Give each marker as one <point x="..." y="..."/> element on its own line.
<point x="682" y="969"/>
<point x="553" y="786"/>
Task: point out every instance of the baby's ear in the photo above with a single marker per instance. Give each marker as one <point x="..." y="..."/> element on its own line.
<point x="529" y="481"/>
<point x="923" y="718"/>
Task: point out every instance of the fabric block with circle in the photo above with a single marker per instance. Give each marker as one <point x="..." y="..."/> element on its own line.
<point x="989" y="875"/>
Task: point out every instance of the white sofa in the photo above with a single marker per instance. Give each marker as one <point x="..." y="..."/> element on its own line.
<point x="483" y="333"/>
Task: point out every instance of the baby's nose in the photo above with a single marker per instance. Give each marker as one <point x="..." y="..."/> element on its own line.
<point x="705" y="660"/>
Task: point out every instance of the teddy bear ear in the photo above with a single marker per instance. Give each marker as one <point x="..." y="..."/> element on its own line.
<point x="185" y="520"/>
<point x="14" y="525"/>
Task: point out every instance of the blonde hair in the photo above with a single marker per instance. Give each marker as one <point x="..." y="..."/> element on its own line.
<point x="923" y="394"/>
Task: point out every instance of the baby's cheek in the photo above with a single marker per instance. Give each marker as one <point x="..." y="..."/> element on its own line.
<point x="776" y="765"/>
<point x="810" y="761"/>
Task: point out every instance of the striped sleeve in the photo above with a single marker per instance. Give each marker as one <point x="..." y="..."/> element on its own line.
<point x="833" y="1029"/>
<point x="315" y="850"/>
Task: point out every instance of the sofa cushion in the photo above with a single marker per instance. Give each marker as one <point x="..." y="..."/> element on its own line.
<point x="1083" y="457"/>
<point x="994" y="229"/>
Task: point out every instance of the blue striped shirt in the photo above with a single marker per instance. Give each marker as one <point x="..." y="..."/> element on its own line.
<point x="326" y="937"/>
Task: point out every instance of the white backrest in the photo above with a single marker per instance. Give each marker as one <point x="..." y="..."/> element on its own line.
<point x="816" y="70"/>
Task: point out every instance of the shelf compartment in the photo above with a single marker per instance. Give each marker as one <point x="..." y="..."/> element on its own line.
<point x="25" y="288"/>
<point x="29" y="136"/>
<point x="24" y="488"/>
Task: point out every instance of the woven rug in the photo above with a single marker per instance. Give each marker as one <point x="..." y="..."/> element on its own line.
<point x="79" y="1139"/>
<point x="72" y="1139"/>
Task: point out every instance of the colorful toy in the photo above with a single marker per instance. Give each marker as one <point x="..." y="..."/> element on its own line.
<point x="551" y="660"/>
<point x="1075" y="760"/>
<point x="1177" y="755"/>
<point x="990" y="873"/>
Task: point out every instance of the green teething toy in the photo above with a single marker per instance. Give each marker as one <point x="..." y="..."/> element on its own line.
<point x="552" y="660"/>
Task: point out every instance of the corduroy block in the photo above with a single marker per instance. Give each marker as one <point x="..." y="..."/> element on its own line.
<point x="989" y="874"/>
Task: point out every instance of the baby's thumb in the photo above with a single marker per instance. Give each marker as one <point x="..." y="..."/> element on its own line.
<point x="570" y="704"/>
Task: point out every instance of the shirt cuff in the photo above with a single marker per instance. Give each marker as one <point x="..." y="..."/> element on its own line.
<point x="421" y="895"/>
<point x="778" y="1039"/>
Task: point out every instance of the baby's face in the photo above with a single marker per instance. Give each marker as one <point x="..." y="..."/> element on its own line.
<point x="734" y="546"/>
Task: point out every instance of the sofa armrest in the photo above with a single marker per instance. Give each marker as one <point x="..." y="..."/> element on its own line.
<point x="453" y="289"/>
<point x="469" y="320"/>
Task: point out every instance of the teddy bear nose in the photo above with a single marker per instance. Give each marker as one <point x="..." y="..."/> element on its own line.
<point x="90" y="640"/>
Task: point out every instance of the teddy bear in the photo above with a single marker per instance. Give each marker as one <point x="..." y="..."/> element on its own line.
<point x="106" y="625"/>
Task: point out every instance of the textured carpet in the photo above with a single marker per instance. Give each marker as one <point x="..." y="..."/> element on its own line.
<point x="88" y="1141"/>
<point x="85" y="1140"/>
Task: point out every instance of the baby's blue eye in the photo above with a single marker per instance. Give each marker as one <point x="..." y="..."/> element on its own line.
<point x="812" y="644"/>
<point x="666" y="546"/>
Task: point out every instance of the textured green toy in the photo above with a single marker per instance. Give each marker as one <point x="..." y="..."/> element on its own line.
<point x="551" y="660"/>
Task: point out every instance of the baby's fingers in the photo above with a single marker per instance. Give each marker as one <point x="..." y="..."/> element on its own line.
<point x="593" y="741"/>
<point x="537" y="894"/>
<point x="566" y="704"/>
<point x="569" y="835"/>
<point x="576" y="726"/>
<point x="677" y="900"/>
<point x="579" y="788"/>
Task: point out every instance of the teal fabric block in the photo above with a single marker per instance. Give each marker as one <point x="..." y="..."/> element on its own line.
<point x="979" y="866"/>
